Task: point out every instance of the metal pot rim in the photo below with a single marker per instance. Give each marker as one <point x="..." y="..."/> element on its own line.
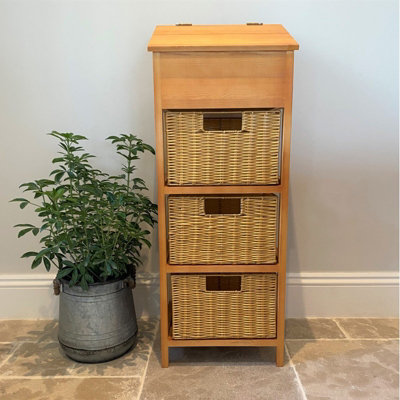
<point x="95" y="289"/>
<point x="66" y="282"/>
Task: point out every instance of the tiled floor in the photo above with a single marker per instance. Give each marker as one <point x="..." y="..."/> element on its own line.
<point x="326" y="359"/>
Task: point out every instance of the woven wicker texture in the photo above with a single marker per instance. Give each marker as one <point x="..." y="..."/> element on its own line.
<point x="232" y="157"/>
<point x="200" y="314"/>
<point x="246" y="238"/>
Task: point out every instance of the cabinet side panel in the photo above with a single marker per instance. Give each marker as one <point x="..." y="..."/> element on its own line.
<point x="287" y="122"/>
<point x="161" y="211"/>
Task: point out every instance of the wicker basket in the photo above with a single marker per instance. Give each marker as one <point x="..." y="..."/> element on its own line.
<point x="242" y="234"/>
<point x="245" y="156"/>
<point x="223" y="310"/>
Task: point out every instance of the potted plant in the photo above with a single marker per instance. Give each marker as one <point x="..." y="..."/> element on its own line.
<point x="93" y="226"/>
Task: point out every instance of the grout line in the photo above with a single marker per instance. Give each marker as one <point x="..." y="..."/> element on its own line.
<point x="39" y="377"/>
<point x="349" y="339"/>
<point x="291" y="364"/>
<point x="341" y="328"/>
<point x="31" y="341"/>
<point x="73" y="367"/>
<point x="147" y="363"/>
<point x="15" y="347"/>
<point x="390" y="318"/>
<point x="395" y="370"/>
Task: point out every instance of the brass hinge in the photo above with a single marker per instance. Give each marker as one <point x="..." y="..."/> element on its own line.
<point x="183" y="24"/>
<point x="254" y="23"/>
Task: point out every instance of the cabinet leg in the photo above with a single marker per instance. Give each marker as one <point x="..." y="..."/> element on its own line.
<point x="280" y="355"/>
<point x="164" y="356"/>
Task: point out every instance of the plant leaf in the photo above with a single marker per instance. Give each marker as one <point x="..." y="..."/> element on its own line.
<point x="47" y="263"/>
<point x="69" y="263"/>
<point x="22" y="225"/>
<point x="19" y="199"/>
<point x="84" y="284"/>
<point x="74" y="278"/>
<point x="36" y="262"/>
<point x="24" y="231"/>
<point x="29" y="254"/>
<point x="43" y="252"/>
<point x="64" y="272"/>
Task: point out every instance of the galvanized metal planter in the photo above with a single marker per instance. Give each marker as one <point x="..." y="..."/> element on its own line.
<point x="99" y="324"/>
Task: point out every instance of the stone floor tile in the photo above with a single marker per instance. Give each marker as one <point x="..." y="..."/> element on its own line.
<point x="37" y="359"/>
<point x="69" y="389"/>
<point x="47" y="359"/>
<point x="5" y="351"/>
<point x="315" y="328"/>
<point x="370" y="328"/>
<point x="133" y="363"/>
<point x="230" y="373"/>
<point x="347" y="369"/>
<point x="28" y="330"/>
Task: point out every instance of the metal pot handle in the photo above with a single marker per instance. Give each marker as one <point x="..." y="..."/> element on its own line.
<point x="56" y="287"/>
<point x="130" y="282"/>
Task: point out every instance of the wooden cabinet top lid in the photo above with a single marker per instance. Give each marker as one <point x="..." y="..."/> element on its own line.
<point x="250" y="37"/>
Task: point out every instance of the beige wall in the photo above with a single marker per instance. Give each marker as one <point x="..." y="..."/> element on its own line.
<point x="83" y="67"/>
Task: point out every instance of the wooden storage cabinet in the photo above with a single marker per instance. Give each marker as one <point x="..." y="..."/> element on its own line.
<point x="223" y="102"/>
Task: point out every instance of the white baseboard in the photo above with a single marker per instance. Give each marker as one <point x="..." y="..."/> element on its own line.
<point x="31" y="296"/>
<point x="309" y="294"/>
<point x="342" y="294"/>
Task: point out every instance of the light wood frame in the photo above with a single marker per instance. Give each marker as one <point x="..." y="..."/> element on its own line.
<point x="222" y="80"/>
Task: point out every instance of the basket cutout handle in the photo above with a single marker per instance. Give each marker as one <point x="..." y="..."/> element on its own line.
<point x="222" y="206"/>
<point x="217" y="121"/>
<point x="224" y="283"/>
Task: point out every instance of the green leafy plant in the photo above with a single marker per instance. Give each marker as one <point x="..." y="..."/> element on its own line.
<point x="93" y="225"/>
